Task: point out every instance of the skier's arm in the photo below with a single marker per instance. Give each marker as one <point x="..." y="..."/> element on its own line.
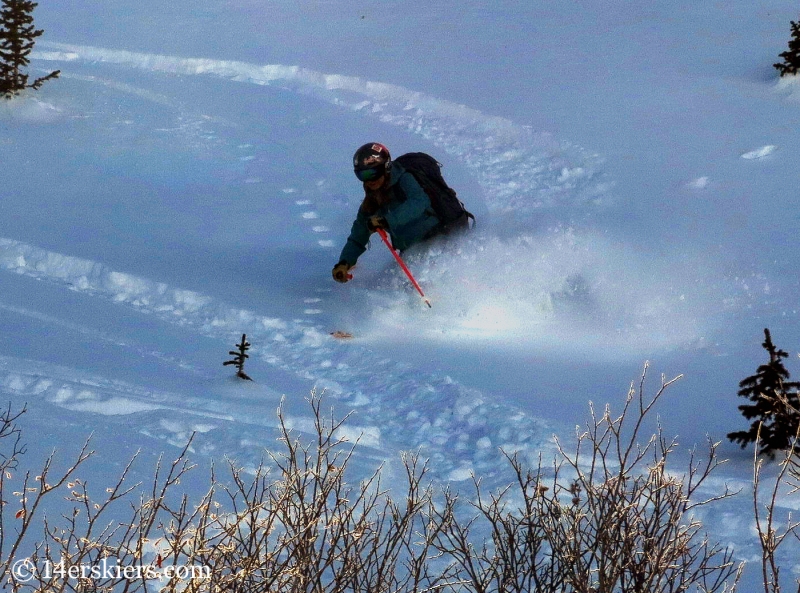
<point x="357" y="241"/>
<point x="417" y="203"/>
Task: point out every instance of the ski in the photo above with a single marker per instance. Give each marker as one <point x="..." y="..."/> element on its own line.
<point x="340" y="335"/>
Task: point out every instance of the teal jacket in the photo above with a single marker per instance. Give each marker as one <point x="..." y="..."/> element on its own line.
<point x="410" y="220"/>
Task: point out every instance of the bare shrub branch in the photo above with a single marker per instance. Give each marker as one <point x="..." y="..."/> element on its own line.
<point x="609" y="517"/>
<point x="770" y="534"/>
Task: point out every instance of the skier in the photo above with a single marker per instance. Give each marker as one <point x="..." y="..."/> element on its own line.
<point x="396" y="202"/>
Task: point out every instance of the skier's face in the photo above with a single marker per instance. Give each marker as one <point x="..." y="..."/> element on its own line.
<point x="375" y="183"/>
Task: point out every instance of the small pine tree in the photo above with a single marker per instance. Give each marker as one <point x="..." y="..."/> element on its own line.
<point x="17" y="35"/>
<point x="776" y="404"/>
<point x="791" y="58"/>
<point x="239" y="357"/>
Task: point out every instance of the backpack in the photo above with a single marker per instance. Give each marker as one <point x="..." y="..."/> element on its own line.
<point x="427" y="171"/>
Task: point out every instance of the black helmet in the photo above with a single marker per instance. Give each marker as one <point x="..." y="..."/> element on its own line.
<point x="372" y="161"/>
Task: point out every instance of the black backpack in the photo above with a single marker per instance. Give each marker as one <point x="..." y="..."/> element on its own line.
<point x="428" y="173"/>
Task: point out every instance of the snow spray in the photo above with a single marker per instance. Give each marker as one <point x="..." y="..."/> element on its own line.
<point x="402" y="264"/>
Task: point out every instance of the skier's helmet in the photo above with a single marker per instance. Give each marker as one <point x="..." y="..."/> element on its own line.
<point x="372" y="161"/>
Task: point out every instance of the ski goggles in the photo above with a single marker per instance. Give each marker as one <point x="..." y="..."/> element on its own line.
<point x="371" y="174"/>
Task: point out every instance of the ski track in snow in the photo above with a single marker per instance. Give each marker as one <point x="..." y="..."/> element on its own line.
<point x="103" y="337"/>
<point x="396" y="406"/>
<point x="172" y="417"/>
<point x="520" y="172"/>
<point x="518" y="169"/>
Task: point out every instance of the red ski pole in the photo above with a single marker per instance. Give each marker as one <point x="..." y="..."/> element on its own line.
<point x="402" y="264"/>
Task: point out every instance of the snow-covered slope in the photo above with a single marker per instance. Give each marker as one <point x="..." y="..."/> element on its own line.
<point x="175" y="189"/>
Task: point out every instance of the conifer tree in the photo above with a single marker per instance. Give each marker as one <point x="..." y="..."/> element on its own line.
<point x="776" y="404"/>
<point x="239" y="357"/>
<point x="17" y="35"/>
<point x="791" y="58"/>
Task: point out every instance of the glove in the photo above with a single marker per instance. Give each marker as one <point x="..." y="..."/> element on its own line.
<point x="340" y="272"/>
<point x="377" y="222"/>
